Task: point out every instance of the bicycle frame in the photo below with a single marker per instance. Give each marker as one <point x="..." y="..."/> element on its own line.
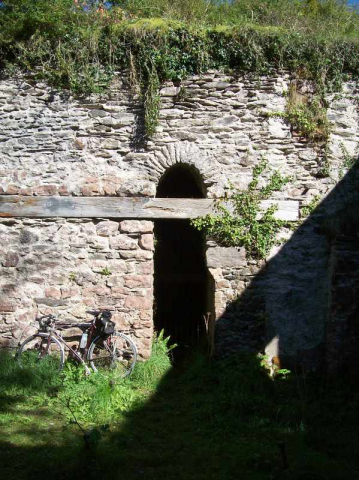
<point x="78" y="354"/>
<point x="100" y="344"/>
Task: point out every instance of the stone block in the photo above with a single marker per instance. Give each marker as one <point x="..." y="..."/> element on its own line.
<point x="70" y="292"/>
<point x="96" y="290"/>
<point x="46" y="190"/>
<point x="107" y="228"/>
<point x="50" y="302"/>
<point x="119" y="292"/>
<point x="115" y="281"/>
<point x="53" y="292"/>
<point x="136" y="226"/>
<point x="11" y="260"/>
<point x="138" y="281"/>
<point x="7" y="307"/>
<point x="144" y="268"/>
<point x="222" y="257"/>
<point x="139" y="303"/>
<point x="146" y="242"/>
<point x="123" y="242"/>
<point x="140" y="255"/>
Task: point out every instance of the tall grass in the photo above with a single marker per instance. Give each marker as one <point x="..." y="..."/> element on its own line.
<point x="95" y="399"/>
<point x="327" y="17"/>
<point x="202" y="421"/>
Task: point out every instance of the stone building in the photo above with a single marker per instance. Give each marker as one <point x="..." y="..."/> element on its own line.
<point x="90" y="216"/>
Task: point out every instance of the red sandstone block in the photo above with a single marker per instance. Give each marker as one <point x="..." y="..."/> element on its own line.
<point x="136" y="226"/>
<point x="146" y="242"/>
<point x="100" y="291"/>
<point x="53" y="292"/>
<point x="145" y="268"/>
<point x="107" y="228"/>
<point x="140" y="303"/>
<point x="69" y="292"/>
<point x="26" y="191"/>
<point x="46" y="190"/>
<point x="6" y="306"/>
<point x="91" y="190"/>
<point x="120" y="320"/>
<point x="12" y="190"/>
<point x="90" y="302"/>
<point x="119" y="292"/>
<point x="146" y="315"/>
<point x="109" y="188"/>
<point x="123" y="242"/>
<point x="135" y="281"/>
<point x="63" y="190"/>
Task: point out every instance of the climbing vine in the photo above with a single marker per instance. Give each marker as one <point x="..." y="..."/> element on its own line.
<point x="82" y="49"/>
<point x="243" y="222"/>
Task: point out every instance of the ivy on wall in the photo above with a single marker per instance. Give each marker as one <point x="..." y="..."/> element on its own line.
<point x="82" y="51"/>
<point x="245" y="224"/>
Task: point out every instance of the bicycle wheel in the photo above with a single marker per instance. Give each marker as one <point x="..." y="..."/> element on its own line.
<point x="117" y="352"/>
<point x="33" y="351"/>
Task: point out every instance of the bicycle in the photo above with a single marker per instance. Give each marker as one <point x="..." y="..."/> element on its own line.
<point x="100" y="345"/>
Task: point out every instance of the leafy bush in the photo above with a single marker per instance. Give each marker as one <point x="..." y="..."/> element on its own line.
<point x="247" y="225"/>
<point x="79" y="48"/>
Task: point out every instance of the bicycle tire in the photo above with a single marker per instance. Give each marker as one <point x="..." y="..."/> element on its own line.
<point x="34" y="345"/>
<point x="117" y="352"/>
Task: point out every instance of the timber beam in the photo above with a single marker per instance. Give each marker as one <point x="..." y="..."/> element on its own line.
<point x="142" y="208"/>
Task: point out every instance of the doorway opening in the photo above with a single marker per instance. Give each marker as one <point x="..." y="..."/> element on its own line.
<point x="181" y="277"/>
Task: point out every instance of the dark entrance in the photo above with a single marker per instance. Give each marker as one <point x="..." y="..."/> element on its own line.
<point x="180" y="269"/>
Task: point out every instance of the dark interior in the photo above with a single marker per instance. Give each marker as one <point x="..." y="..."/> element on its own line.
<point x="180" y="270"/>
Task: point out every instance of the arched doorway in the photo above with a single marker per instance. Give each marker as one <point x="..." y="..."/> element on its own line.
<point x="181" y="278"/>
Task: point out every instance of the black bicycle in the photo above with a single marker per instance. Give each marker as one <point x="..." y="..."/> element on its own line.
<point x="100" y="345"/>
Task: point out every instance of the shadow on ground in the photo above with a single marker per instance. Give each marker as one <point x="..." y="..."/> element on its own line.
<point x="228" y="419"/>
<point x="217" y="420"/>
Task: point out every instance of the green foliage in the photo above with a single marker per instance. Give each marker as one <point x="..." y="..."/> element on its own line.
<point x="106" y="272"/>
<point x="348" y="161"/>
<point x="152" y="103"/>
<point x="308" y="209"/>
<point x="246" y="224"/>
<point x="99" y="398"/>
<point x="307" y="115"/>
<point x="80" y="49"/>
<point x="216" y="419"/>
<point x="147" y="374"/>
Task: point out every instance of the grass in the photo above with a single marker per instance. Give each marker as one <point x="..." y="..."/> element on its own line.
<point x="218" y="420"/>
<point x="81" y="48"/>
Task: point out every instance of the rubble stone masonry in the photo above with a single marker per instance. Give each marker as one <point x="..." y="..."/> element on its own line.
<point x="54" y="144"/>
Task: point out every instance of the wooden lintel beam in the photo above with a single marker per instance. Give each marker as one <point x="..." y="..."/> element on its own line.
<point x="141" y="208"/>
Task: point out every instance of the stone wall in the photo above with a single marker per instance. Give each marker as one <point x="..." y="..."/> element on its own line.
<point x="343" y="324"/>
<point x="55" y="144"/>
<point x="69" y="266"/>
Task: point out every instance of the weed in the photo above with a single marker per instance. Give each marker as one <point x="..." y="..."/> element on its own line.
<point x="308" y="209"/>
<point x="72" y="276"/>
<point x="81" y="48"/>
<point x="216" y="419"/>
<point x="106" y="272"/>
<point x="348" y="161"/>
<point x="246" y="224"/>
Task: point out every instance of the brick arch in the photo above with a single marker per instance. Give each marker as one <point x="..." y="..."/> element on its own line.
<point x="189" y="154"/>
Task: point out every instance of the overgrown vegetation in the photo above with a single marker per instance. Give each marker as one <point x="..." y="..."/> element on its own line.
<point x="205" y="421"/>
<point x="80" y="48"/>
<point x="245" y="223"/>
